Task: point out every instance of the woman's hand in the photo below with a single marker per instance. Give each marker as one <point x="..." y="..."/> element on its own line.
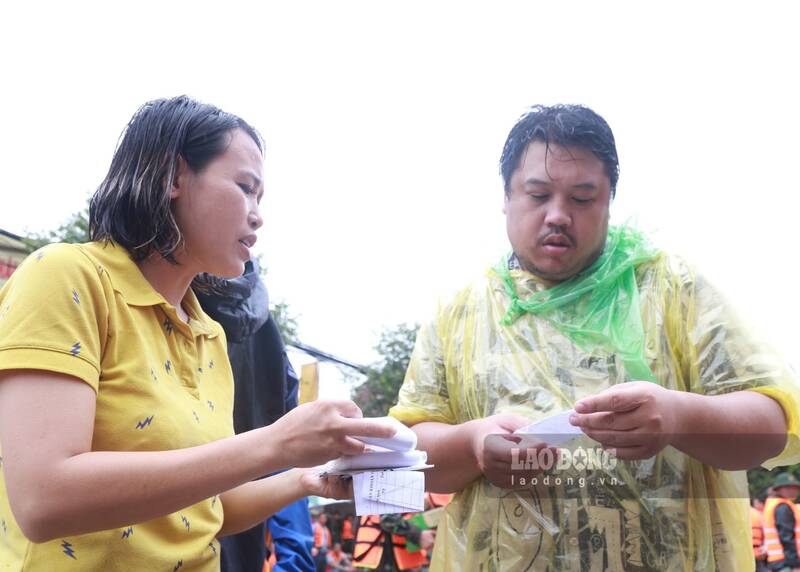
<point x="316" y="432"/>
<point x="329" y="486"/>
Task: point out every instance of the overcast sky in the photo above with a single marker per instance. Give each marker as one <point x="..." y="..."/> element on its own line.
<point x="384" y="124"/>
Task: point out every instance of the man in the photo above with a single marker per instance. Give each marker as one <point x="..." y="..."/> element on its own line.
<point x="782" y="524"/>
<point x="338" y="559"/>
<point x="266" y="388"/>
<point x="576" y="309"/>
<point x="322" y="541"/>
<point x="348" y="536"/>
<point x="757" y="528"/>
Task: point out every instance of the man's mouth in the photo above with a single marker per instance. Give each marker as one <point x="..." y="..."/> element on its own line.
<point x="556" y="244"/>
<point x="558" y="240"/>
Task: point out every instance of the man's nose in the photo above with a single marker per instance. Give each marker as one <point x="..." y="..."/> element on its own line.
<point x="558" y="214"/>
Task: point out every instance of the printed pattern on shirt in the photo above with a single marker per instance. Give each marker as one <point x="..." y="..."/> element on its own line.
<point x="68" y="550"/>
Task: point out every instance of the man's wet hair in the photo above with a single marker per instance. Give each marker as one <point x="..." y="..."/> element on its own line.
<point x="563" y="125"/>
<point x="132" y="204"/>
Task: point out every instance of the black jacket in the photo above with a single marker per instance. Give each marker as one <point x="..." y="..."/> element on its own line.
<point x="266" y="384"/>
<point x="265" y="389"/>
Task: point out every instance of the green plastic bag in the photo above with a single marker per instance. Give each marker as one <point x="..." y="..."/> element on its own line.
<point x="598" y="308"/>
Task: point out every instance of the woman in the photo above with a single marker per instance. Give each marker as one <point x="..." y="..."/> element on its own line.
<point x="116" y="394"/>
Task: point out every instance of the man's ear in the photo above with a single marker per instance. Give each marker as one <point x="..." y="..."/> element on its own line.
<point x="505" y="203"/>
<point x="180" y="178"/>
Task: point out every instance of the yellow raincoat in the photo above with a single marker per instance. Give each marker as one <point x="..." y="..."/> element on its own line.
<point x="672" y="513"/>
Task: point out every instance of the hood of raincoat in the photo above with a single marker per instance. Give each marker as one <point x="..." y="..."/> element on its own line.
<point x="240" y="305"/>
<point x="598" y="308"/>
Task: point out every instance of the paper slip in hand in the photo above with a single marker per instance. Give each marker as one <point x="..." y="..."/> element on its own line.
<point x="404" y="440"/>
<point x="555" y="430"/>
<point x="384" y="492"/>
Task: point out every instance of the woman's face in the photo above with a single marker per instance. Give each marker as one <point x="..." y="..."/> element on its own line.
<point x="216" y="209"/>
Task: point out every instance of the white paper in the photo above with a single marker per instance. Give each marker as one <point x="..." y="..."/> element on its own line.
<point x="555" y="430"/>
<point x="382" y="459"/>
<point x="404" y="440"/>
<point x="327" y="470"/>
<point x="384" y="492"/>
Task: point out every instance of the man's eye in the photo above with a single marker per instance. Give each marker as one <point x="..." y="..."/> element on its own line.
<point x="581" y="201"/>
<point x="537" y="196"/>
<point x="247" y="189"/>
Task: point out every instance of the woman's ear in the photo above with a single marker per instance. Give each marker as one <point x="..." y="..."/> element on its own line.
<point x="180" y="178"/>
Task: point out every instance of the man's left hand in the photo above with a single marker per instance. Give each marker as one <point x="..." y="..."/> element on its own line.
<point x="637" y="419"/>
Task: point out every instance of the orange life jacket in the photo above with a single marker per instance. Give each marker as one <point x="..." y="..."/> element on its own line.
<point x="347" y="530"/>
<point x="757" y="526"/>
<point x="322" y="536"/>
<point x="271" y="560"/>
<point x="437" y="500"/>
<point x="772" y="541"/>
<point x="369" y="547"/>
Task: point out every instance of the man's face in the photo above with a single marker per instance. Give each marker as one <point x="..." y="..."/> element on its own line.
<point x="557" y="210"/>
<point x="788" y="492"/>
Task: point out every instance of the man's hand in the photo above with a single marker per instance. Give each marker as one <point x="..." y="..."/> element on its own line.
<point x="492" y="444"/>
<point x="637" y="419"/>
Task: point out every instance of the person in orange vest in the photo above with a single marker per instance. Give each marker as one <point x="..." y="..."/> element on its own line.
<point x="390" y="542"/>
<point x="437" y="500"/>
<point x="782" y="525"/>
<point x="338" y="560"/>
<point x="322" y="541"/>
<point x="757" y="528"/>
<point x="348" y="536"/>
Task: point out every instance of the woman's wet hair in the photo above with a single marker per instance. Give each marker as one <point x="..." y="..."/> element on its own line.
<point x="132" y="204"/>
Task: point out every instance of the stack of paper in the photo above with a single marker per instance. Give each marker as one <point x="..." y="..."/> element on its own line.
<point x="397" y="452"/>
<point x="386" y="477"/>
<point x="404" y="439"/>
<point x="378" y="459"/>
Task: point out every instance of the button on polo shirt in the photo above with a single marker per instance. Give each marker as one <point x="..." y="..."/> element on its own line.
<point x="88" y="312"/>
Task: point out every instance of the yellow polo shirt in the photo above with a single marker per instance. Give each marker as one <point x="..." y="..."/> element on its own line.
<point x="87" y="311"/>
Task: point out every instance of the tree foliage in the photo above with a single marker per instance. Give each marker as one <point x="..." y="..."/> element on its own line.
<point x="286" y="322"/>
<point x="759" y="479"/>
<point x="378" y="392"/>
<point x="75" y="230"/>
